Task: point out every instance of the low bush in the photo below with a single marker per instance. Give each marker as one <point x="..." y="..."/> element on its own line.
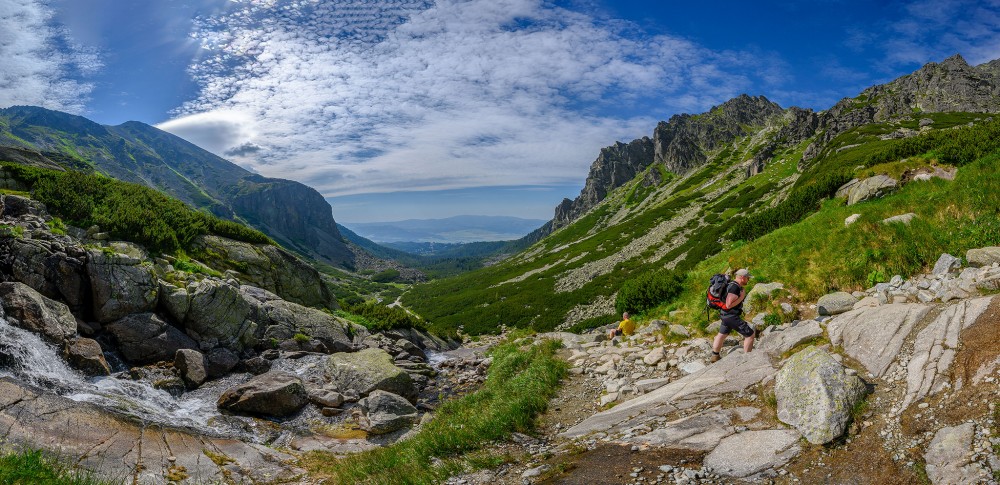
<point x="375" y="316"/>
<point x="648" y="290"/>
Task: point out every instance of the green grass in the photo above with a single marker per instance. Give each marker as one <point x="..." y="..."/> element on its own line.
<point x="30" y="467"/>
<point x="517" y="389"/>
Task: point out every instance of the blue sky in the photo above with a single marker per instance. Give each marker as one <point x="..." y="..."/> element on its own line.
<point x="401" y="109"/>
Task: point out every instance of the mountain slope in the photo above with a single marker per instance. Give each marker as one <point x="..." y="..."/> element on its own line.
<point x="139" y="153"/>
<point x="456" y="229"/>
<point x="572" y="276"/>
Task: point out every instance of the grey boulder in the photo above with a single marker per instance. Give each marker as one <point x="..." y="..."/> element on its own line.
<point x="121" y="282"/>
<point x="191" y="365"/>
<point x="983" y="256"/>
<point x="816" y="394"/>
<point x="384" y="412"/>
<point x="275" y="393"/>
<point x="871" y="188"/>
<point x="367" y="371"/>
<point x="30" y="310"/>
<point x="946" y="264"/>
<point x="145" y="338"/>
<point x="836" y="303"/>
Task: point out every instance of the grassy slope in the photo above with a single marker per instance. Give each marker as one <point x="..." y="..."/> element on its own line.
<point x="30" y="467"/>
<point x="481" y="301"/>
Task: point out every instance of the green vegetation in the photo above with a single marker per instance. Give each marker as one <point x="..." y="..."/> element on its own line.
<point x="519" y="384"/>
<point x="29" y="467"/>
<point x="802" y="202"/>
<point x="648" y="290"/>
<point x="375" y="316"/>
<point x="128" y="211"/>
<point x="386" y="276"/>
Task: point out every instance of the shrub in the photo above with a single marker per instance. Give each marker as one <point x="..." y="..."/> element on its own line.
<point x="386" y="276"/>
<point x="375" y="316"/>
<point x="648" y="290"/>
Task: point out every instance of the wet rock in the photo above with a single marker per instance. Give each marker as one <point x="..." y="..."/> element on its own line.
<point x="145" y="338"/>
<point x="369" y="370"/>
<point x="272" y="394"/>
<point x="385" y="412"/>
<point x="28" y="309"/>
<point x="53" y="270"/>
<point x="191" y="365"/>
<point x="120" y="282"/>
<point x="86" y="355"/>
<point x="256" y="365"/>
<point x="815" y="394"/>
<point x="219" y="361"/>
<point x="326" y="398"/>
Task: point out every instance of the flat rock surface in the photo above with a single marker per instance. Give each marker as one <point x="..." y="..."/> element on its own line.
<point x="699" y="432"/>
<point x="873" y="336"/>
<point x="949" y="456"/>
<point x="745" y="454"/>
<point x="114" y="447"/>
<point x="780" y="339"/>
<point x="935" y="346"/>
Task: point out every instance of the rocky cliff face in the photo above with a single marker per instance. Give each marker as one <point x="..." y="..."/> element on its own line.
<point x="616" y="165"/>
<point x="288" y="211"/>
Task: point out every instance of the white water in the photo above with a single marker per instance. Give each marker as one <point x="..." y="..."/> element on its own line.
<point x="27" y="358"/>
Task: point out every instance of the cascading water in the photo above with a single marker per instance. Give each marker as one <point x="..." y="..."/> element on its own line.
<point x="27" y="358"/>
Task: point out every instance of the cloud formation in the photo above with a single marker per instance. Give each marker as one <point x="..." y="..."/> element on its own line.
<point x="936" y="29"/>
<point x="41" y="64"/>
<point x="353" y="96"/>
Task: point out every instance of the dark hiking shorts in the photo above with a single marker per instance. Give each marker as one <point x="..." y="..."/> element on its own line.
<point x="735" y="323"/>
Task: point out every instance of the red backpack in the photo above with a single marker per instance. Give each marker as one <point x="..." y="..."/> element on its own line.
<point x="718" y="290"/>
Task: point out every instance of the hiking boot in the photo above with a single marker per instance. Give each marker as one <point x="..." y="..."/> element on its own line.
<point x="714" y="358"/>
<point x="756" y="333"/>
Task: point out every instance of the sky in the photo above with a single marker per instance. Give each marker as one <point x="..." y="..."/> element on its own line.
<point x="401" y="109"/>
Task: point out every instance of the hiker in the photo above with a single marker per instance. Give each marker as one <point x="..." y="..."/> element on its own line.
<point x="731" y="320"/>
<point x="626" y="327"/>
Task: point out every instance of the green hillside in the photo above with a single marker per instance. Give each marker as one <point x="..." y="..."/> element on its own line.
<point x="699" y="224"/>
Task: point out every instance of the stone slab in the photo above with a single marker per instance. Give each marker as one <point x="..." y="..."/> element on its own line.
<point x="873" y="336"/>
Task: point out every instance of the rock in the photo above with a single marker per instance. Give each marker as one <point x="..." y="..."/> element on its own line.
<point x="935" y="347"/>
<point x="745" y="454"/>
<point x="816" y="395"/>
<point x="845" y="189"/>
<point x="191" y="364"/>
<point x="326" y="398"/>
<point x="145" y="338"/>
<point x="691" y="367"/>
<point x="901" y="219"/>
<point x="780" y="339"/>
<point x="86" y="355"/>
<point x="946" y="264"/>
<point x="867" y="302"/>
<point x="713" y="327"/>
<point x="536" y="471"/>
<point x="608" y="399"/>
<point x="679" y="330"/>
<point x="282" y="320"/>
<point x="54" y="270"/>
<point x="219" y="361"/>
<point x="120" y="282"/>
<point x="219" y="316"/>
<point x="652" y="327"/>
<point x="272" y="394"/>
<point x="949" y="456"/>
<point x="367" y="371"/>
<point x="851" y="219"/>
<point x="835" y="303"/>
<point x="654" y="356"/>
<point x="698" y="432"/>
<point x="28" y="309"/>
<point x="983" y="256"/>
<point x="765" y="289"/>
<point x="873" y="336"/>
<point x="256" y="365"/>
<point x="871" y="188"/>
<point x="175" y="301"/>
<point x="385" y="412"/>
<point x="646" y="385"/>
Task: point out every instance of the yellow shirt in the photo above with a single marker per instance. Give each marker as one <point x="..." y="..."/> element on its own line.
<point x="627" y="326"/>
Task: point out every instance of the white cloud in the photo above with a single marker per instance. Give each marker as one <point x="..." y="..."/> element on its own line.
<point x="40" y="62"/>
<point x="936" y="29"/>
<point x="351" y="96"/>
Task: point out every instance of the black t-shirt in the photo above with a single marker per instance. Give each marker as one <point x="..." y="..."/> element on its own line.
<point x="734" y="288"/>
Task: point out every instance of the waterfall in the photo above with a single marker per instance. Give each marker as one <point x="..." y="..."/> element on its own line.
<point x="25" y="357"/>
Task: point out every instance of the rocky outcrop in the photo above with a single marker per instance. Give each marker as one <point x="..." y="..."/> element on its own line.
<point x="121" y="280"/>
<point x="55" y="269"/>
<point x="987" y="256"/>
<point x="282" y="320"/>
<point x="816" y="394"/>
<point x="145" y="338"/>
<point x="835" y="303"/>
<point x="616" y="165"/>
<point x="268" y="267"/>
<point x="367" y="371"/>
<point x="949" y="456"/>
<point x="384" y="412"/>
<point x="218" y="315"/>
<point x="871" y="188"/>
<point x="26" y="308"/>
<point x="275" y="394"/>
<point x="873" y="336"/>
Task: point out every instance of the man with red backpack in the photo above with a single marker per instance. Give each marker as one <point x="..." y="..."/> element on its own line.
<point x="731" y="311"/>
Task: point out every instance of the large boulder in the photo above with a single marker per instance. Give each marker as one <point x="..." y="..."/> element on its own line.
<point x="874" y="335"/>
<point x="871" y="188"/>
<point x="367" y="371"/>
<point x="86" y="355"/>
<point x="55" y="269"/>
<point x="836" y="303"/>
<point x="191" y="365"/>
<point x="219" y="361"/>
<point x="983" y="256"/>
<point x="121" y="280"/>
<point x="218" y="315"/>
<point x="946" y="264"/>
<point x="145" y="338"/>
<point x="271" y="268"/>
<point x="28" y="309"/>
<point x="275" y="393"/>
<point x="816" y="394"/>
<point x="282" y="320"/>
<point x="384" y="412"/>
